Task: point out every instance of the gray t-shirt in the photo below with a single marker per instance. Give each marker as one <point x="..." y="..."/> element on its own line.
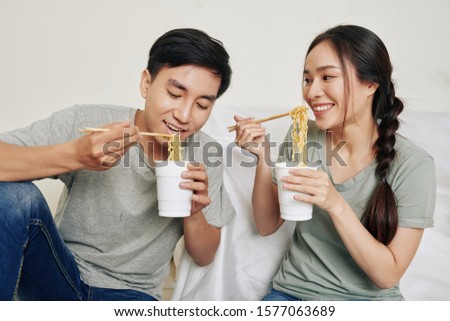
<point x="109" y="219"/>
<point x="317" y="265"/>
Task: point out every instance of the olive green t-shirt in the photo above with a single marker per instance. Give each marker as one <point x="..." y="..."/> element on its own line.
<point x="317" y="265"/>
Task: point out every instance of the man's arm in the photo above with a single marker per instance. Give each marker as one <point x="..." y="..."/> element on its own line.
<point x="97" y="151"/>
<point x="201" y="238"/>
<point x="20" y="163"/>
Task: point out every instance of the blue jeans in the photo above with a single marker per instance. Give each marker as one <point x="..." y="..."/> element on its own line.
<point x="275" y="295"/>
<point x="35" y="263"/>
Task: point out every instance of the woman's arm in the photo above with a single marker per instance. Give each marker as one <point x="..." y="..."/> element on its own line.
<point x="383" y="264"/>
<point x="266" y="211"/>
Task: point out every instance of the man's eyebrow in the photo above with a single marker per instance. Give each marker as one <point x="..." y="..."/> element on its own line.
<point x="211" y="98"/>
<point x="176" y="83"/>
<point x="322" y="68"/>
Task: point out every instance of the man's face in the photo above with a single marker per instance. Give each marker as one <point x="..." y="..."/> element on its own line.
<point x="178" y="100"/>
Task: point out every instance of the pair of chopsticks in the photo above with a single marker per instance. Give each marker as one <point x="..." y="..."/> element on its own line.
<point x="89" y="130"/>
<point x="233" y="128"/>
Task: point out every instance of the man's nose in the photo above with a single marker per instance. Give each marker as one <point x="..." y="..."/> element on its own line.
<point x="183" y="112"/>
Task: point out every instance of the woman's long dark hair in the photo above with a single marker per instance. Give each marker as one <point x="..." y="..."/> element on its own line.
<point x="369" y="56"/>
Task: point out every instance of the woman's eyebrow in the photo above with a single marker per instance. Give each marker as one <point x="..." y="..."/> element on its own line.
<point x="322" y="68"/>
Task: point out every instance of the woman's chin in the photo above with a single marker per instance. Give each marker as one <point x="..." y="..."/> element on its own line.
<point x="322" y="125"/>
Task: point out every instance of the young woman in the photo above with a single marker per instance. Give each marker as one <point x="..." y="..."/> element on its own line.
<point x="374" y="192"/>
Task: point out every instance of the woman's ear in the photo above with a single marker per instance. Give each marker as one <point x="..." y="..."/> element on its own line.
<point x="145" y="82"/>
<point x="372" y="87"/>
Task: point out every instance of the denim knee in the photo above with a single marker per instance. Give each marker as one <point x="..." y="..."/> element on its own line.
<point x="275" y="295"/>
<point x="18" y="200"/>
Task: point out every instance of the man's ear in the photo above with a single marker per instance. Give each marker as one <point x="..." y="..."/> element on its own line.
<point x="146" y="79"/>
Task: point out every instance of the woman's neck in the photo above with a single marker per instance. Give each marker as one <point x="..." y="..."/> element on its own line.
<point x="351" y="150"/>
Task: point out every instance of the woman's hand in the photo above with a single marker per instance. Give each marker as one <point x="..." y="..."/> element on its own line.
<point x="250" y="135"/>
<point x="316" y="188"/>
<point x="103" y="150"/>
<point x="199" y="186"/>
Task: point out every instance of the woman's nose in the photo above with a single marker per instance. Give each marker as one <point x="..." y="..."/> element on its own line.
<point x="314" y="90"/>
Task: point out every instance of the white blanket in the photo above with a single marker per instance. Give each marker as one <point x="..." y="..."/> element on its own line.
<point x="246" y="262"/>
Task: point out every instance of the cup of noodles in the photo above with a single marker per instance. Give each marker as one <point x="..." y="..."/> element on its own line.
<point x="290" y="208"/>
<point x="172" y="200"/>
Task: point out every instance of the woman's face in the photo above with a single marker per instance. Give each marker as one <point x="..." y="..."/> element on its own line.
<point x="324" y="90"/>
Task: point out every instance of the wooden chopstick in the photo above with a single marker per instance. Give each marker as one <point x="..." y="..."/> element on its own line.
<point x="233" y="128"/>
<point x="96" y="130"/>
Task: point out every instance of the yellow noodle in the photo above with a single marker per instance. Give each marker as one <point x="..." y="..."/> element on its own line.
<point x="299" y="133"/>
<point x="174" y="148"/>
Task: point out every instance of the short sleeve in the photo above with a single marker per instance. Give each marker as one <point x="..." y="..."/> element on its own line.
<point x="414" y="187"/>
<point x="57" y="128"/>
<point x="220" y="211"/>
<point x="208" y="151"/>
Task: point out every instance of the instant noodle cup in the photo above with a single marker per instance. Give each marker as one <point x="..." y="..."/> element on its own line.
<point x="290" y="208"/>
<point x="172" y="200"/>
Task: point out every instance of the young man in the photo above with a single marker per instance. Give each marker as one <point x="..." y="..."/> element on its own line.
<point x="109" y="242"/>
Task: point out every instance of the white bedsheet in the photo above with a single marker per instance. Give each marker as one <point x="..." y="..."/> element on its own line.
<point x="246" y="262"/>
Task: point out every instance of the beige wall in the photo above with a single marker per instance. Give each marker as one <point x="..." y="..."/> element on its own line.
<point x="56" y="53"/>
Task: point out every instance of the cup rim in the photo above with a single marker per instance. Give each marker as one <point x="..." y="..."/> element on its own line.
<point x="284" y="165"/>
<point x="170" y="163"/>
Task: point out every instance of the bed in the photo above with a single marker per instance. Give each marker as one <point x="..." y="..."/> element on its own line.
<point x="246" y="262"/>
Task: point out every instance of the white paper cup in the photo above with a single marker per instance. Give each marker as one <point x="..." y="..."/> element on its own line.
<point x="172" y="200"/>
<point x="290" y="208"/>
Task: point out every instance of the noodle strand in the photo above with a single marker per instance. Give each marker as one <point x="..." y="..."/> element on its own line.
<point x="299" y="133"/>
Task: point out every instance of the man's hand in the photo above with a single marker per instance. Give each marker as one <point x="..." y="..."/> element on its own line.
<point x="199" y="186"/>
<point x="102" y="150"/>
